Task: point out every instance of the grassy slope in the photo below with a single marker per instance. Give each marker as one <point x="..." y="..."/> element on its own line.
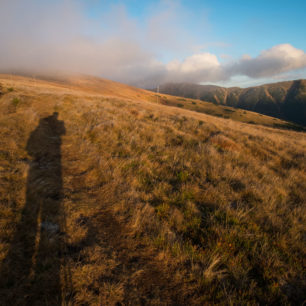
<point x="92" y="86"/>
<point x="106" y="87"/>
<point x="161" y="205"/>
<point x="226" y="112"/>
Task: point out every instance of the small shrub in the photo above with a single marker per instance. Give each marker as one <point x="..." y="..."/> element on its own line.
<point x="163" y="210"/>
<point x="15" y="101"/>
<point x="183" y="176"/>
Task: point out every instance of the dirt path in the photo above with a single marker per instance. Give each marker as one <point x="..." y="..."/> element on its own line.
<point x="105" y="261"/>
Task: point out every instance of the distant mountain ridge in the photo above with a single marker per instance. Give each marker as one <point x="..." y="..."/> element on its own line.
<point x="285" y="100"/>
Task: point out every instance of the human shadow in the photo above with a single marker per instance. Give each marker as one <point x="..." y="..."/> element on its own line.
<point x="30" y="274"/>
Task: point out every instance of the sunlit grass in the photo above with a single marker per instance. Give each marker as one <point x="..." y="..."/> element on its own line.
<point x="162" y="204"/>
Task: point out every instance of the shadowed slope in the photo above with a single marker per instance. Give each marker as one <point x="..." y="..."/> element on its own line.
<point x="285" y="100"/>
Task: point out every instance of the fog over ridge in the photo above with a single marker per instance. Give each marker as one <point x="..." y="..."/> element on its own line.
<point x="58" y="37"/>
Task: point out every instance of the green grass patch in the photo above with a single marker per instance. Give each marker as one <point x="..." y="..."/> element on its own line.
<point x="16" y="102"/>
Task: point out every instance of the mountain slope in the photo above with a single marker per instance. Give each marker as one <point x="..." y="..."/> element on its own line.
<point x="112" y="200"/>
<point x="107" y="88"/>
<point x="286" y="100"/>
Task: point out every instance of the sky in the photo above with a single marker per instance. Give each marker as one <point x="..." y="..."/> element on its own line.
<point x="147" y="43"/>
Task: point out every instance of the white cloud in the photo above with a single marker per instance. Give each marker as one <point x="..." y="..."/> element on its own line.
<point x="278" y="59"/>
<point x="194" y="63"/>
<point x="196" y="68"/>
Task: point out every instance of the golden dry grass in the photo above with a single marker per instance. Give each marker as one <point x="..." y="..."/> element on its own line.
<point x="98" y="86"/>
<point x="159" y="205"/>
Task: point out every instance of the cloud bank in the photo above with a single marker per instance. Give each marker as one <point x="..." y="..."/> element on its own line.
<point x="58" y="36"/>
<point x="278" y="59"/>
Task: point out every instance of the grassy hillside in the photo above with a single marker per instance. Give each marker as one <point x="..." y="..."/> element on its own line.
<point x="109" y="199"/>
<point x="286" y="100"/>
<point x="93" y="86"/>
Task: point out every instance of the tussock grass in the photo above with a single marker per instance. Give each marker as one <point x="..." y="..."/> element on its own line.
<point x="160" y="205"/>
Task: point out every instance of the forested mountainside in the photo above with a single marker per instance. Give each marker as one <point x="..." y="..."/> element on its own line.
<point x="285" y="100"/>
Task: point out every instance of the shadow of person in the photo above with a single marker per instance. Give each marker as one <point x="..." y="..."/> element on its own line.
<point x="31" y="269"/>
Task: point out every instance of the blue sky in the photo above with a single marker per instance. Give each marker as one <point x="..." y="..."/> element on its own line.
<point x="247" y="26"/>
<point x="147" y="42"/>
